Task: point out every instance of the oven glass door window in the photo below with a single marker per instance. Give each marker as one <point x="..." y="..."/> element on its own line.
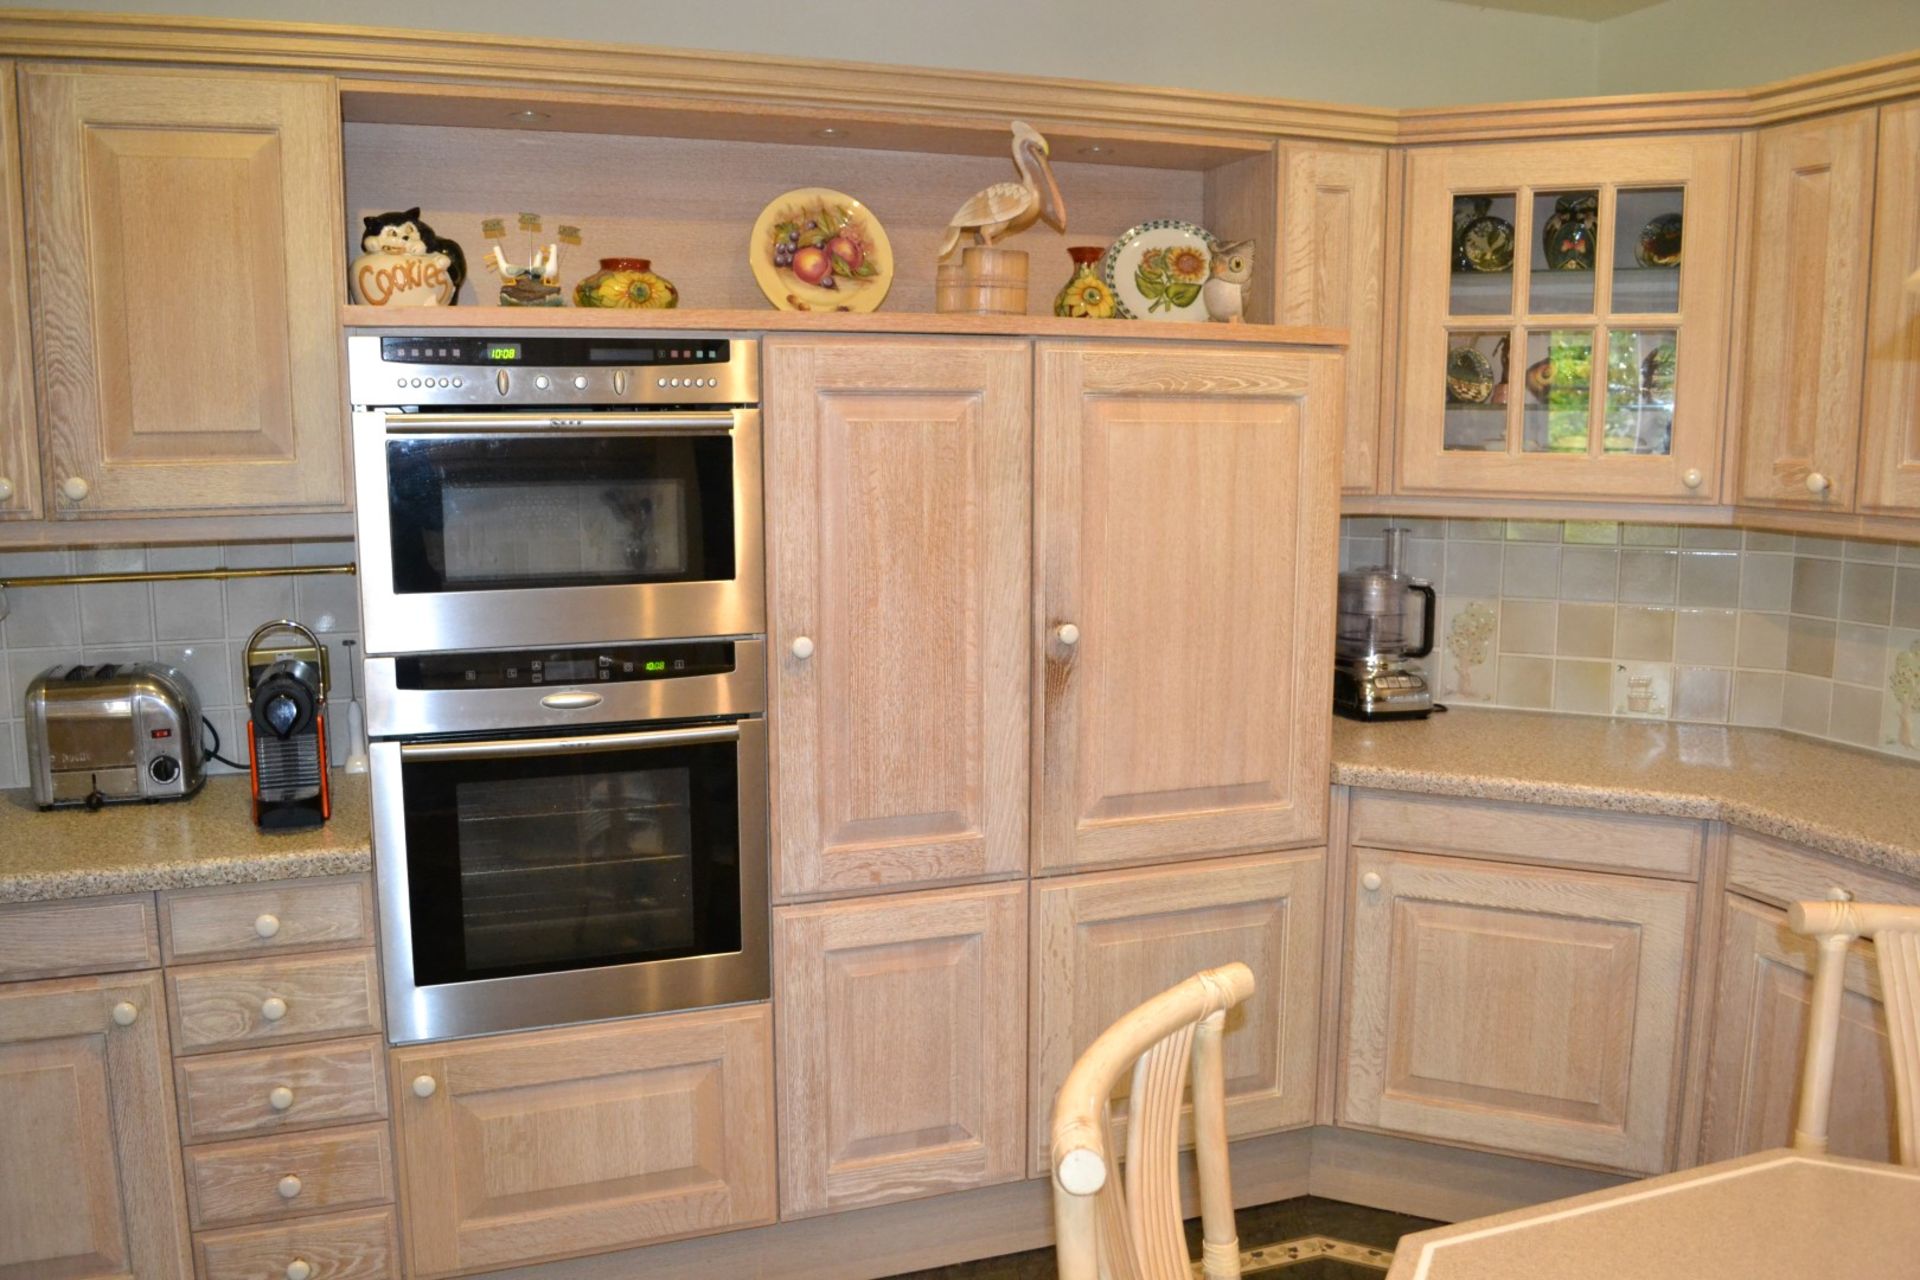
<point x="493" y="513"/>
<point x="543" y="863"/>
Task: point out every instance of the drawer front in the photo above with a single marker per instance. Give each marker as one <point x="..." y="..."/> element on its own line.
<point x="263" y="1179"/>
<point x="1780" y="873"/>
<point x="1533" y="833"/>
<point x="245" y="1003"/>
<point x="348" y="1246"/>
<point x="91" y="935"/>
<point x="260" y="919"/>
<point x="233" y="1095"/>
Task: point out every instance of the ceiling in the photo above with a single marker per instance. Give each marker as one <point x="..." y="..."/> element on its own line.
<point x="1586" y="10"/>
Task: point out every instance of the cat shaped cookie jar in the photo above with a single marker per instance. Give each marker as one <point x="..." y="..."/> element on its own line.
<point x="404" y="264"/>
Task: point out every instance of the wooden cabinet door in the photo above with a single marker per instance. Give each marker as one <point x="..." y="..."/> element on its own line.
<point x="1333" y="261"/>
<point x="1760" y="1040"/>
<point x="19" y="449"/>
<point x="186" y="289"/>
<point x="1890" y="419"/>
<point x="898" y="505"/>
<point x="1799" y="402"/>
<point x="1525" y="1010"/>
<point x="1105" y="942"/>
<point x="902" y="1046"/>
<point x="583" y="1139"/>
<point x="1186" y="517"/>
<point x="90" y="1180"/>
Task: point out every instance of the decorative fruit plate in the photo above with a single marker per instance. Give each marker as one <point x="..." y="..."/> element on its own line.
<point x="1157" y="270"/>
<point x="815" y="249"/>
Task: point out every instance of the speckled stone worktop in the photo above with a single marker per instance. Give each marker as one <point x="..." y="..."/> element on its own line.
<point x="210" y="839"/>
<point x="1853" y="804"/>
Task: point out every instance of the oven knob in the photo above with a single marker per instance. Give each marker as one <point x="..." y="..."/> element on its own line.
<point x="501" y="381"/>
<point x="619" y="382"/>
<point x="541" y="382"/>
<point x="580" y="382"/>
<point x="459" y="382"/>
<point x="663" y="382"/>
<point x="164" y="769"/>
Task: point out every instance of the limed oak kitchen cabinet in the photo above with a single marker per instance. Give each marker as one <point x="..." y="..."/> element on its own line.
<point x="1185" y="518"/>
<point x="898" y="499"/>
<point x="19" y="454"/>
<point x="187" y="245"/>
<point x="1890" y="416"/>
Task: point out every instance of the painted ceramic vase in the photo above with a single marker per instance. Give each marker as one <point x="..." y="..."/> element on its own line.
<point x="1085" y="295"/>
<point x="626" y="283"/>
<point x="1659" y="244"/>
<point x="1572" y="233"/>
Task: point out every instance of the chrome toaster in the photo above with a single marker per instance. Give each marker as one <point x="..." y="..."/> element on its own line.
<point x="97" y="734"/>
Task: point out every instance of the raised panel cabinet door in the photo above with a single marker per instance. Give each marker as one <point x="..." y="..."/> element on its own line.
<point x="1799" y="403"/>
<point x="1106" y="941"/>
<point x="551" y="1144"/>
<point x="1760" y="1040"/>
<point x="1528" y="1011"/>
<point x="902" y="1046"/>
<point x="898" y="504"/>
<point x="90" y="1178"/>
<point x="1890" y="419"/>
<point x="1185" y="530"/>
<point x="19" y="447"/>
<point x="1333" y="262"/>
<point x="186" y="288"/>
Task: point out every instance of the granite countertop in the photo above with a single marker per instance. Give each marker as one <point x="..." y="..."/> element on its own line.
<point x="210" y="839"/>
<point x="1855" y="804"/>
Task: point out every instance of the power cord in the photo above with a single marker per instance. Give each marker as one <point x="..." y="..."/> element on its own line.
<point x="214" y="750"/>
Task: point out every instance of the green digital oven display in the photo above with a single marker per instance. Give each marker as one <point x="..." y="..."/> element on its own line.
<point x="656" y="664"/>
<point x="504" y="351"/>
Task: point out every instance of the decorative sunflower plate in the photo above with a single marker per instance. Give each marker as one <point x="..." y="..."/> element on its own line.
<point x="1157" y="270"/>
<point x="815" y="249"/>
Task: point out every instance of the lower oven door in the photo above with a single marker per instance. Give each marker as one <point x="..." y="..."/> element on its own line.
<point x="532" y="880"/>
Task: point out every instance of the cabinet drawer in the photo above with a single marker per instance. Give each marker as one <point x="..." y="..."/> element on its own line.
<point x="1532" y="833"/>
<point x="260" y="1179"/>
<point x="1780" y="873"/>
<point x="350" y="1246"/>
<point x="230" y="1095"/>
<point x="227" y="1006"/>
<point x="92" y="935"/>
<point x="257" y="919"/>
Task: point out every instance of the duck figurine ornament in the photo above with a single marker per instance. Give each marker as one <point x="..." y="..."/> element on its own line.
<point x="1007" y="207"/>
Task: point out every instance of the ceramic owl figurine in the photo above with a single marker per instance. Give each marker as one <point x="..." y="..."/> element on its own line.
<point x="1228" y="278"/>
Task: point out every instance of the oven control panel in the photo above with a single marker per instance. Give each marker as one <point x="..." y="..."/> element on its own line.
<point x="543" y="372"/>
<point x="538" y="668"/>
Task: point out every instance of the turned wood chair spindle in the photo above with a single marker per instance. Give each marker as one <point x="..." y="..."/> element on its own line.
<point x="1110" y="1227"/>
<point x="1895" y="932"/>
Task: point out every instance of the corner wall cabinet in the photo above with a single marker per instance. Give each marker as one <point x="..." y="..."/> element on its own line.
<point x="1890" y="417"/>
<point x="1180" y="712"/>
<point x="19" y="449"/>
<point x="186" y="288"/>
<point x="1594" y="371"/>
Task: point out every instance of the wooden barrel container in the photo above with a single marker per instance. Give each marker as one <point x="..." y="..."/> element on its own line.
<point x="991" y="282"/>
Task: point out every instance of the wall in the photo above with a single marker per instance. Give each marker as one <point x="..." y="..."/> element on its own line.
<point x="199" y="627"/>
<point x="1764" y="629"/>
<point x="1731" y="44"/>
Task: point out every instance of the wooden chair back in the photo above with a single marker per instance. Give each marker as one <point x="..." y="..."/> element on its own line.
<point x="1107" y="1227"/>
<point x="1895" y="931"/>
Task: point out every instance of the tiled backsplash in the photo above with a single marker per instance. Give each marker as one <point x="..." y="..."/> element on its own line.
<point x="1816" y="635"/>
<point x="200" y="627"/>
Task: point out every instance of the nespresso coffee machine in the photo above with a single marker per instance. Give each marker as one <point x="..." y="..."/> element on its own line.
<point x="1376" y="635"/>
<point x="287" y="727"/>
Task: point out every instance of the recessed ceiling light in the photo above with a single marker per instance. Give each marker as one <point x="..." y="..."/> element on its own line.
<point x="1096" y="149"/>
<point x="829" y="132"/>
<point x="528" y="116"/>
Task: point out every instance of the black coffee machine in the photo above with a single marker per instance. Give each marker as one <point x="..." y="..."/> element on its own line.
<point x="287" y="728"/>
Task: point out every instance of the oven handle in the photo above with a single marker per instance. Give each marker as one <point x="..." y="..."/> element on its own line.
<point x="501" y="423"/>
<point x="512" y="748"/>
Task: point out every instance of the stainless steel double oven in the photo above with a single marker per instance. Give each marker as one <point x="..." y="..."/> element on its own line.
<point x="560" y="555"/>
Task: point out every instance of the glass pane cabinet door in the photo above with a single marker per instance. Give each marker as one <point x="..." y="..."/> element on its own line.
<point x="1565" y="330"/>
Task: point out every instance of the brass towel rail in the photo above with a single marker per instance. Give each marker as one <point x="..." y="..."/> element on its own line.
<point x="174" y="575"/>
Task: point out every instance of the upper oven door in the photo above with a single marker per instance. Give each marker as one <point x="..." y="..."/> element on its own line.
<point x="493" y="529"/>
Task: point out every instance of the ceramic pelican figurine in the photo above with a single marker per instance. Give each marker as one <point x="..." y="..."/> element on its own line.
<point x="1012" y="206"/>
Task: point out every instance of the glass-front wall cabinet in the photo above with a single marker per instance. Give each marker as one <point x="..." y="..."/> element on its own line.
<point x="1566" y="319"/>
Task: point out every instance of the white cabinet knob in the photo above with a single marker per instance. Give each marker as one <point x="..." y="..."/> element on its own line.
<point x="1692" y="478"/>
<point x="6" y="488"/>
<point x="124" y="1014"/>
<point x="424" y="1086"/>
<point x="1067" y="634"/>
<point x="280" y="1098"/>
<point x="266" y="924"/>
<point x="1817" y="483"/>
<point x="289" y="1186"/>
<point x="1371" y="882"/>
<point x="75" y="489"/>
<point x="299" y="1269"/>
<point x="273" y="1008"/>
<point x="802" y="648"/>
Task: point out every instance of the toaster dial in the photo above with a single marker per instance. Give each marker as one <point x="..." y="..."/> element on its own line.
<point x="164" y="769"/>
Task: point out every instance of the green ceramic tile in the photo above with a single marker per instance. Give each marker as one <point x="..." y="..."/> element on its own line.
<point x="1598" y="532"/>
